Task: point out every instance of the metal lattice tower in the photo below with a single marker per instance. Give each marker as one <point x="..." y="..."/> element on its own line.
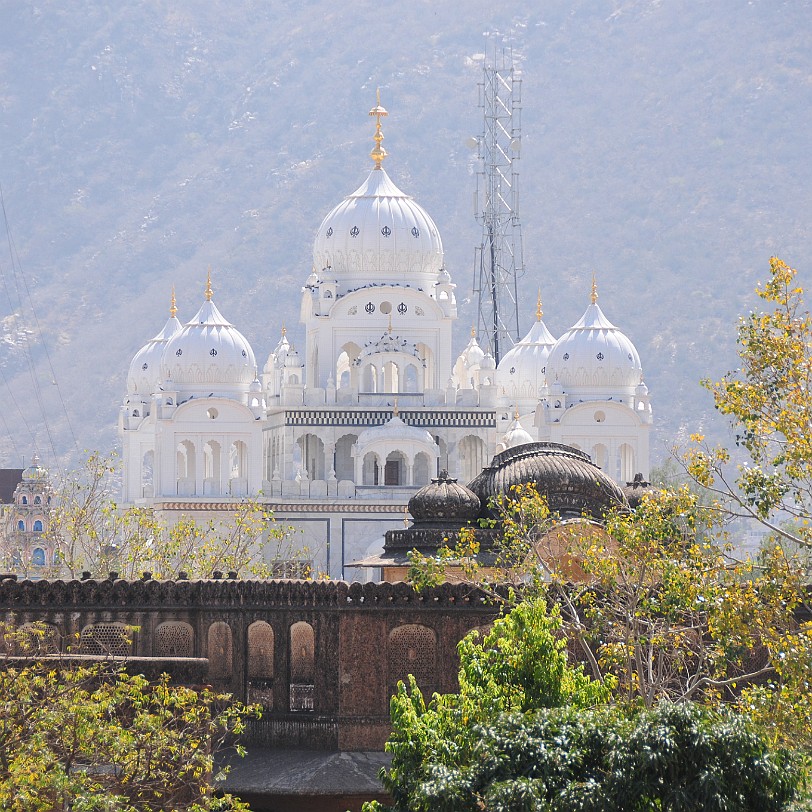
<point x="499" y="258"/>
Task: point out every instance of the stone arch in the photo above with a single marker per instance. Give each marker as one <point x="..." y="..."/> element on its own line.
<point x="220" y="650"/>
<point x="105" y="639"/>
<point x="174" y="638"/>
<point x="312" y="448"/>
<point x="394" y="472"/>
<point x="260" y="663"/>
<point x="212" y="468"/>
<point x="147" y="474"/>
<point x="38" y="638"/>
<point x="38" y="557"/>
<point x="344" y="464"/>
<point x="186" y="468"/>
<point x="626" y="462"/>
<point x="600" y="456"/>
<point x="472" y="454"/>
<point x="238" y="467"/>
<point x="302" y="666"/>
<point x="412" y="649"/>
<point x="371" y="469"/>
<point x="421" y="473"/>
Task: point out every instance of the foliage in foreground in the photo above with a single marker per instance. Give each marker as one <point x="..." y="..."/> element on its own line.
<point x="88" y="738"/>
<point x="527" y="731"/>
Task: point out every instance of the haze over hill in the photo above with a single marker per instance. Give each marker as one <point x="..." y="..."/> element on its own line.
<point x="665" y="147"/>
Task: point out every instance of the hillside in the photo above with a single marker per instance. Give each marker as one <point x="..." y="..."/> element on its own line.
<point x="665" y="147"/>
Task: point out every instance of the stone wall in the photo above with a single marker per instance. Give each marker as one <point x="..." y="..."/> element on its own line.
<point x="321" y="656"/>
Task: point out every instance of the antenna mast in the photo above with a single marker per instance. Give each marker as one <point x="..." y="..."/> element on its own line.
<point x="499" y="259"/>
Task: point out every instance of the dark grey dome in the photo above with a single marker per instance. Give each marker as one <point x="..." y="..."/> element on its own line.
<point x="634" y="490"/>
<point x="572" y="483"/>
<point x="443" y="500"/>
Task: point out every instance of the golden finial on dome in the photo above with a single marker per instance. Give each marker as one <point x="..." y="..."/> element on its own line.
<point x="516" y="413"/>
<point x="378" y="152"/>
<point x="173" y="307"/>
<point x="209" y="291"/>
<point x="473" y="331"/>
<point x="539" y="312"/>
<point x="284" y="329"/>
<point x="594" y="296"/>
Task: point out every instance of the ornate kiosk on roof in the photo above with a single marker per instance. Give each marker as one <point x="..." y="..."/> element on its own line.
<point x="336" y="436"/>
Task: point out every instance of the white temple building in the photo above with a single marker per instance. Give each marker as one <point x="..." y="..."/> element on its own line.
<point x="337" y="437"/>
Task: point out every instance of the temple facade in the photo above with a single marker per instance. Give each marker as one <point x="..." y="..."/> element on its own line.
<point x="336" y="436"/>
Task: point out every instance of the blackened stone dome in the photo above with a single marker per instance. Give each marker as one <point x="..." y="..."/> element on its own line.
<point x="634" y="490"/>
<point x="444" y="500"/>
<point x="573" y="484"/>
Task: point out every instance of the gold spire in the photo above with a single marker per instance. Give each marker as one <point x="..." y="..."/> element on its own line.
<point x="516" y="413"/>
<point x="378" y="152"/>
<point x="594" y="296"/>
<point x="539" y="312"/>
<point x="473" y="331"/>
<point x="284" y="329"/>
<point x="173" y="309"/>
<point x="208" y="285"/>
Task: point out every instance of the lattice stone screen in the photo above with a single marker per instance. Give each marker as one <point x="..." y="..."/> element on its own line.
<point x="220" y="650"/>
<point x="38" y="638"/>
<point x="302" y="666"/>
<point x="106" y="639"/>
<point x="174" y="639"/>
<point x="260" y="663"/>
<point x="412" y="650"/>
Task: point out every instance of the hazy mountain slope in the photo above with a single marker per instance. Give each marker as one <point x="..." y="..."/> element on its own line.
<point x="665" y="147"/>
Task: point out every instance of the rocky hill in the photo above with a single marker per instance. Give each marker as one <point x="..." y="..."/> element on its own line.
<point x="665" y="147"/>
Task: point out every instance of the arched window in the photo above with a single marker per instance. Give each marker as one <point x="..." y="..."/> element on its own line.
<point x="627" y="462"/>
<point x="38" y="638"/>
<point x="105" y="639"/>
<point x="186" y="469"/>
<point x="37" y="500"/>
<point x="413" y="650"/>
<point x="394" y="472"/>
<point x="312" y="456"/>
<point x="174" y="639"/>
<point x="219" y="650"/>
<point x="260" y="663"/>
<point x="472" y="457"/>
<point x="421" y="470"/>
<point x="147" y="473"/>
<point x="38" y="557"/>
<point x="38" y="526"/>
<point x="302" y="666"/>
<point x="344" y="463"/>
<point x="25" y="500"/>
<point x="21" y="525"/>
<point x="600" y="456"/>
<point x="211" y="468"/>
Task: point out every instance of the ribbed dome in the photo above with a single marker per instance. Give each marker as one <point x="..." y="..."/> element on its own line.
<point x="145" y="368"/>
<point x="594" y="356"/>
<point x="442" y="500"/>
<point x="521" y="371"/>
<point x="276" y="360"/>
<point x="393" y="430"/>
<point x="572" y="484"/>
<point x="209" y="353"/>
<point x="516" y="435"/>
<point x="378" y="233"/>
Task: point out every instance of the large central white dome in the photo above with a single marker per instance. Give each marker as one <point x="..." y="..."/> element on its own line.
<point x="378" y="233"/>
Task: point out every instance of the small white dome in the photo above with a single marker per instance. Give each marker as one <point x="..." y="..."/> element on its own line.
<point x="35" y="472"/>
<point x="522" y="369"/>
<point x="209" y="353"/>
<point x="276" y="360"/>
<point x="145" y="368"/>
<point x="516" y="435"/>
<point x="473" y="354"/>
<point x="392" y="431"/>
<point x="378" y="233"/>
<point x="594" y="356"/>
<point x="487" y="362"/>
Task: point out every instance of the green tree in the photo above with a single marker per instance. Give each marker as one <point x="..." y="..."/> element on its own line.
<point x="769" y="402"/>
<point x="520" y="665"/>
<point x="90" y="531"/>
<point x="86" y="736"/>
